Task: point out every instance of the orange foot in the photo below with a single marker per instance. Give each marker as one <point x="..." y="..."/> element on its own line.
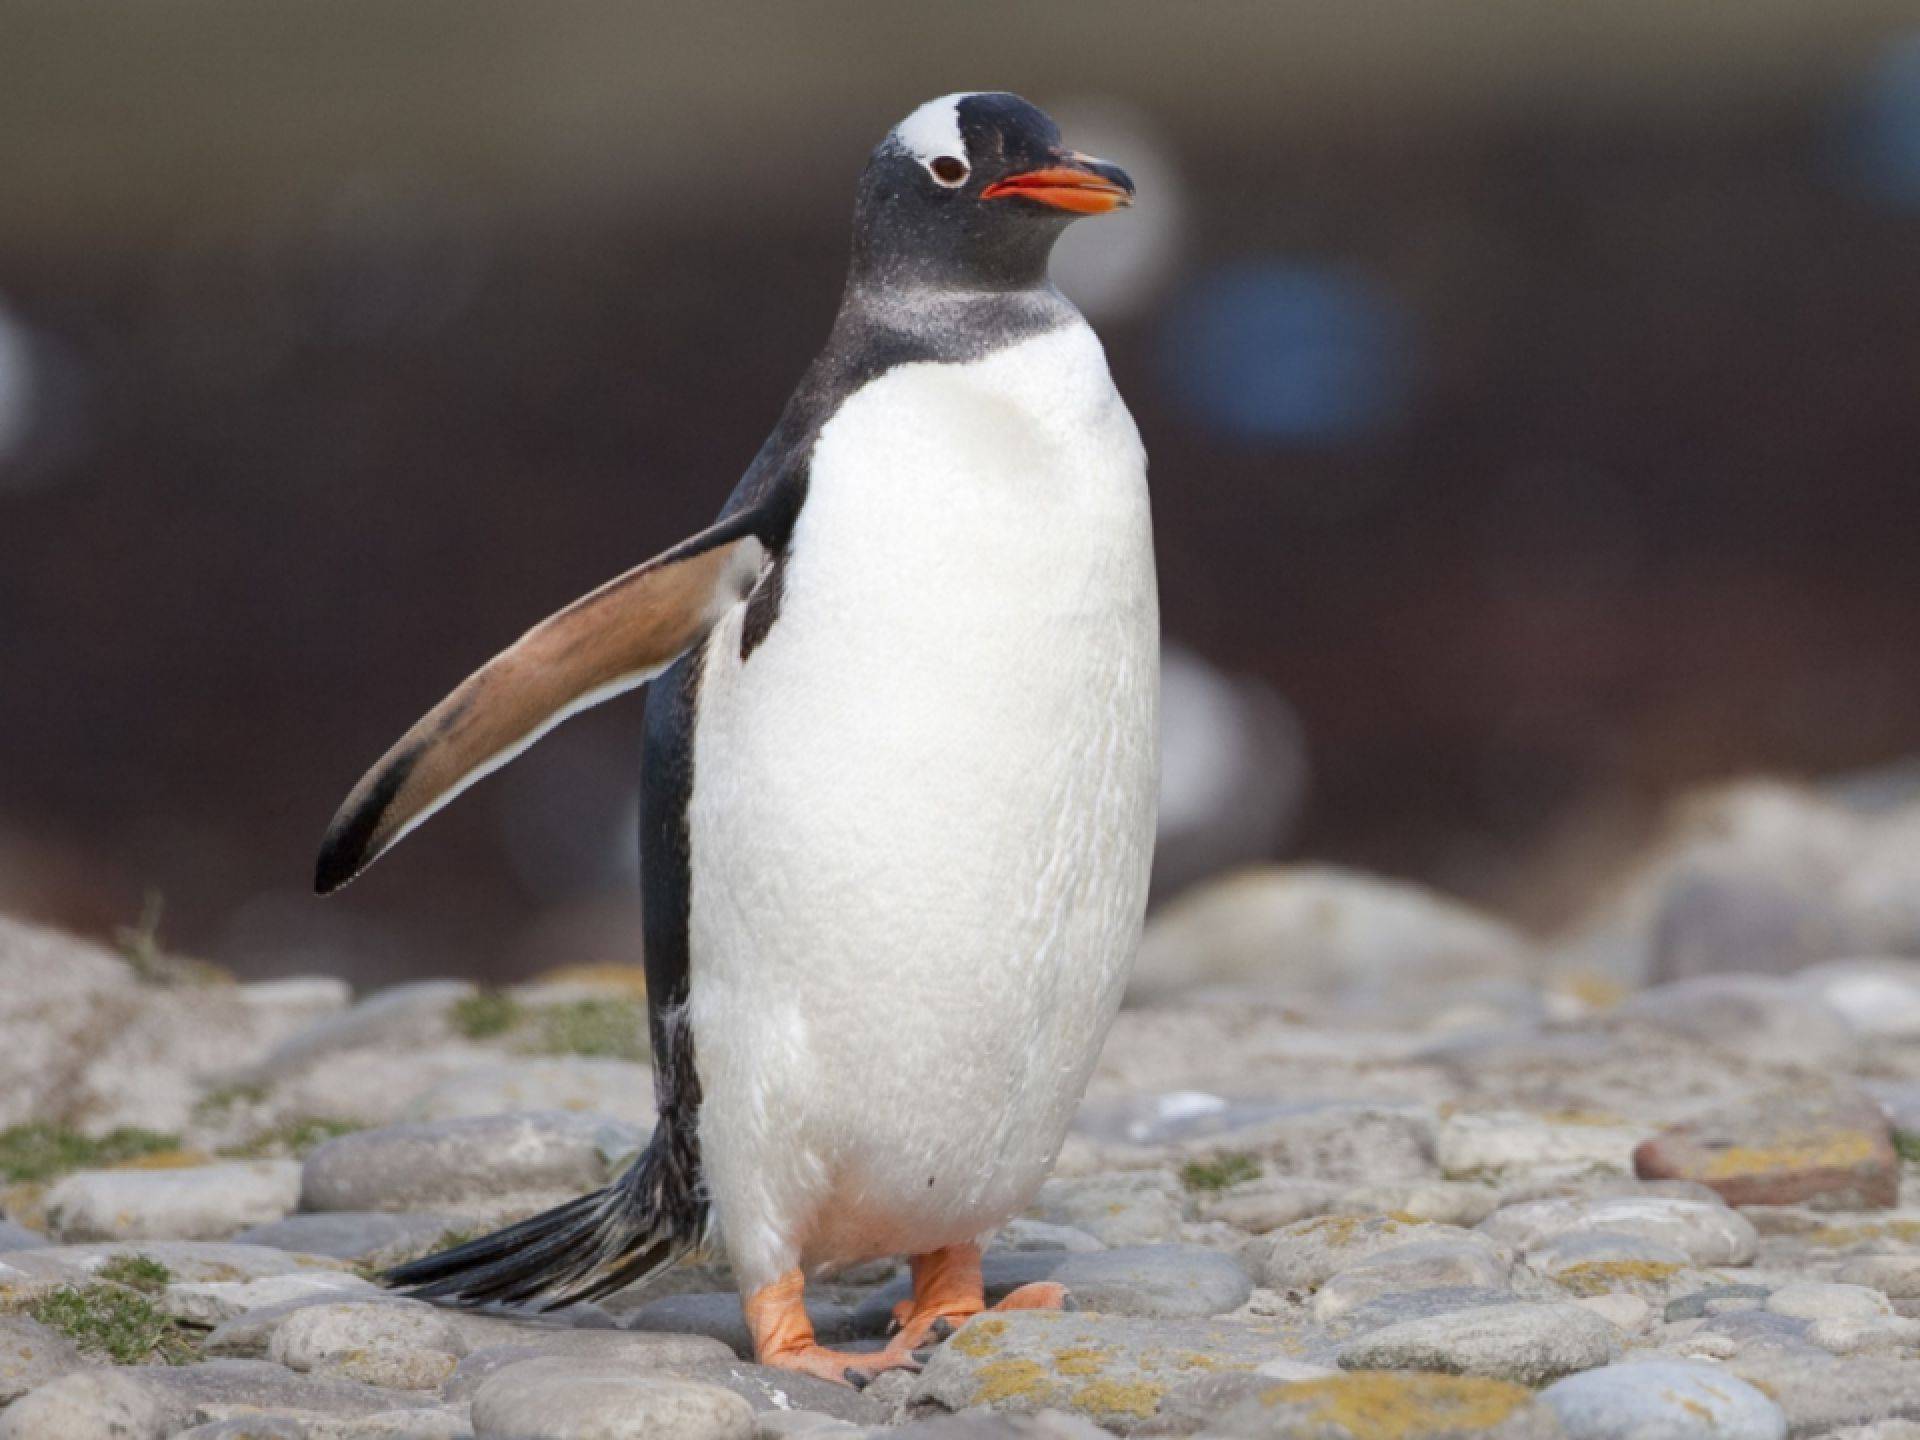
<point x="783" y="1338"/>
<point x="948" y="1292"/>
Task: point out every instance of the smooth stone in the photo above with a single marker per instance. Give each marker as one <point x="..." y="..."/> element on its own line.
<point x="200" y="1202"/>
<point x="1528" y="1343"/>
<point x="293" y="1002"/>
<point x="1445" y="1202"/>
<point x="1755" y="1330"/>
<point x="1588" y="1263"/>
<point x="1397" y="1307"/>
<point x="254" y="1427"/>
<point x="18" y="1237"/>
<point x="984" y="1425"/>
<point x="396" y="1347"/>
<point x="1420" y="1265"/>
<point x="1820" y="1392"/>
<point x="1864" y="1335"/>
<point x="560" y="1399"/>
<point x="1117" y="1210"/>
<point x="485" y="1158"/>
<point x="1825" y="1145"/>
<point x="101" y="1404"/>
<point x="620" y="1089"/>
<point x="217" y="1389"/>
<point x="1021" y="1234"/>
<point x="1174" y="1281"/>
<point x="31" y="1355"/>
<point x="1878" y="996"/>
<point x="1353" y="1142"/>
<point x="1271" y="1202"/>
<point x="1322" y="933"/>
<point x="1305" y="1255"/>
<point x="1628" y="1314"/>
<point x="1742" y="1015"/>
<point x="400" y="1016"/>
<point x="246" y="1336"/>
<point x="1110" y="1369"/>
<point x="1379" y="1405"/>
<point x="1895" y="1276"/>
<point x="719" y="1316"/>
<point x="1706" y="1234"/>
<point x="1701" y="1303"/>
<point x="1509" y="1142"/>
<point x="770" y="1391"/>
<point x="188" y="1261"/>
<point x="790" y="1424"/>
<point x="367" y="1237"/>
<point x="496" y="1341"/>
<point x="1663" y="1400"/>
<point x="214" y="1302"/>
<point x="1811" y="1300"/>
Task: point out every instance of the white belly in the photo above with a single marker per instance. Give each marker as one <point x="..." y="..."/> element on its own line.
<point x="922" y="815"/>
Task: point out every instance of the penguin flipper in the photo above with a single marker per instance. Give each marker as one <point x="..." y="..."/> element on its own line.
<point x="610" y="640"/>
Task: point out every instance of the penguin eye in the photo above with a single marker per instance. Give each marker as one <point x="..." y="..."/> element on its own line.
<point x="949" y="170"/>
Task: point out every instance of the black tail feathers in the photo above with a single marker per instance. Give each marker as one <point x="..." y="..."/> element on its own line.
<point x="587" y="1248"/>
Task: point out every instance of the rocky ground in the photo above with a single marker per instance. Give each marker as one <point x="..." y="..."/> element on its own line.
<point x="1358" y="1164"/>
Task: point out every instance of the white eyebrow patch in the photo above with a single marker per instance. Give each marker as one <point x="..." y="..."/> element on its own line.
<point x="934" y="129"/>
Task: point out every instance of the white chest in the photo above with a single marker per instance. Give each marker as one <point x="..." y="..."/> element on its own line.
<point x="922" y="814"/>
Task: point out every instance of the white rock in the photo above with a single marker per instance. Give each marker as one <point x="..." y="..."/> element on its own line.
<point x="212" y="1302"/>
<point x="618" y="1088"/>
<point x="1864" y="1335"/>
<point x="1628" y="1313"/>
<point x="1529" y="1343"/>
<point x="397" y="1346"/>
<point x="93" y="1405"/>
<point x="1707" y="1234"/>
<point x="1876" y="997"/>
<point x="559" y="1399"/>
<point x="1663" y="1400"/>
<point x="1508" y="1142"/>
<point x="201" y="1202"/>
<point x="1809" y="1300"/>
<point x="1470" y="1262"/>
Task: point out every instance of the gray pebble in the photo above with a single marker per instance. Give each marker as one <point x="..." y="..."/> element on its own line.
<point x="1663" y="1400"/>
<point x="362" y="1236"/>
<point x="1527" y="1343"/>
<point x="31" y="1355"/>
<point x="560" y="1399"/>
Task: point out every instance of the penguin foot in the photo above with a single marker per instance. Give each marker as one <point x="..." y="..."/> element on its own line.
<point x="783" y="1338"/>
<point x="1040" y="1295"/>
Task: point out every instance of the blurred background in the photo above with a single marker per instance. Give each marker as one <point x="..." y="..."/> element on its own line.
<point x="1533" y="396"/>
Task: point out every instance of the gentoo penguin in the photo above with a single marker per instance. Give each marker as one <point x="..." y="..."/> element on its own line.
<point x="897" y="803"/>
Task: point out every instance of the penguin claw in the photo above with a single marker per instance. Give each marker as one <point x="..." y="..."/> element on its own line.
<point x="858" y="1379"/>
<point x="941" y="1330"/>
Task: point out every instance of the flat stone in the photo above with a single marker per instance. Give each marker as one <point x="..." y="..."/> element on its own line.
<point x="770" y="1391"/>
<point x="18" y="1237"/>
<point x="1110" y="1369"/>
<point x="1663" y="1400"/>
<point x="1419" y="1265"/>
<point x="1750" y="1331"/>
<point x="1706" y="1234"/>
<point x="642" y="1352"/>
<point x="397" y="1347"/>
<point x="1175" y="1281"/>
<point x="1505" y="1143"/>
<point x="410" y="1167"/>
<point x="1399" y="1306"/>
<point x="1354" y="1142"/>
<point x="93" y="1405"/>
<point x="983" y="1425"/>
<point x="1895" y="1276"/>
<point x="1375" y="1405"/>
<point x="201" y="1202"/>
<point x="366" y="1237"/>
<point x="1446" y="1202"/>
<point x="1879" y="996"/>
<point x="255" y="1427"/>
<point x="213" y="1302"/>
<point x="1811" y="1300"/>
<point x="225" y="1389"/>
<point x="1715" y="1299"/>
<point x="1825" y="1145"/>
<point x="1116" y="1210"/>
<point x="1820" y="1392"/>
<point x="1588" y="1263"/>
<point x="1628" y="1314"/>
<point x="719" y="1315"/>
<point x="188" y="1261"/>
<point x="1272" y="1201"/>
<point x="31" y="1355"/>
<point x="1530" y="1344"/>
<point x="1749" y="1016"/>
<point x="401" y="1016"/>
<point x="1021" y="1233"/>
<point x="559" y="1399"/>
<point x="1303" y="1256"/>
<point x="620" y="1089"/>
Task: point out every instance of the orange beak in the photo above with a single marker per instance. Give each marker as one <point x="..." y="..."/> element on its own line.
<point x="1079" y="183"/>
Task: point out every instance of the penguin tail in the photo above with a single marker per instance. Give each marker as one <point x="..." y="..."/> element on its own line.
<point x="652" y="1215"/>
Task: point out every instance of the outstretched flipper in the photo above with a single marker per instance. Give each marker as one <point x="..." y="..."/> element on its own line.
<point x="611" y="640"/>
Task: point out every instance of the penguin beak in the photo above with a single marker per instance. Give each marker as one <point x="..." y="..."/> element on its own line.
<point x="1076" y="182"/>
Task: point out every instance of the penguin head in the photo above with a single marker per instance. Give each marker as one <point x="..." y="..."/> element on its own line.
<point x="971" y="191"/>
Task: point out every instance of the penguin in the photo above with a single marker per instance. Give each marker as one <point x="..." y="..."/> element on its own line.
<point x="899" y="774"/>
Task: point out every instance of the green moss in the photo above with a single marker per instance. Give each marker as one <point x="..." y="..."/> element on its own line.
<point x="615" y="1029"/>
<point x="114" y="1323"/>
<point x="40" y="1152"/>
<point x="1220" y="1172"/>
<point x="293" y="1139"/>
<point x="217" y="1102"/>
<point x="1907" y="1142"/>
<point x="137" y="1272"/>
<point x="485" y="1014"/>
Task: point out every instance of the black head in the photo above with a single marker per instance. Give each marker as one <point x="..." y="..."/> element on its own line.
<point x="971" y="191"/>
